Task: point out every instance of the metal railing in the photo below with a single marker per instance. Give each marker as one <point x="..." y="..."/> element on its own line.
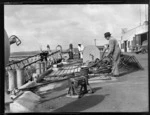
<point x="27" y="61"/>
<point x="21" y="72"/>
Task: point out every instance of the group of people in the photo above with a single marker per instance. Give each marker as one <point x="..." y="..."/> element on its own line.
<point x="114" y="52"/>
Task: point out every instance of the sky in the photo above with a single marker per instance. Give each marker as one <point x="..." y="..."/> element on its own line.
<point x="39" y="25"/>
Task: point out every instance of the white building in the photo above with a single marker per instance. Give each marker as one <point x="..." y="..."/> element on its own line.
<point x="134" y="37"/>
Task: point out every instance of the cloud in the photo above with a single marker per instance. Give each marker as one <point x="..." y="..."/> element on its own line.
<point x="39" y="25"/>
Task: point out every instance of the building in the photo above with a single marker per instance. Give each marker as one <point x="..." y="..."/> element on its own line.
<point x="135" y="37"/>
<point x="100" y="48"/>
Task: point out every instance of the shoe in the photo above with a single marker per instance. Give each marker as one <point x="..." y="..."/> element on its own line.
<point x="115" y="75"/>
<point x="90" y="92"/>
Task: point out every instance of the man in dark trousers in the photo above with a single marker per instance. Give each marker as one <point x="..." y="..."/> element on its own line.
<point x="70" y="51"/>
<point x="114" y="51"/>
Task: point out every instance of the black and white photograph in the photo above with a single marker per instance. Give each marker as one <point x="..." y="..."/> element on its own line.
<point x="76" y="58"/>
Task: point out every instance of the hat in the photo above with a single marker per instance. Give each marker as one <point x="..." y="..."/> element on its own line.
<point x="107" y="34"/>
<point x="47" y="46"/>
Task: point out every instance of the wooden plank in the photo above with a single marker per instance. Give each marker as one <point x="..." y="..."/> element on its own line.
<point x="78" y="69"/>
<point x="52" y="73"/>
<point x="72" y="70"/>
<point x="69" y="70"/>
<point x="65" y="67"/>
<point x="57" y="74"/>
<point x="61" y="72"/>
<point x="64" y="72"/>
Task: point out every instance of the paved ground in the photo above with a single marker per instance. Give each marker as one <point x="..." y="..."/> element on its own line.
<point x="128" y="94"/>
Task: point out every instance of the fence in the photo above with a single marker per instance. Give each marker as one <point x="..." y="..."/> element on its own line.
<point x="21" y="71"/>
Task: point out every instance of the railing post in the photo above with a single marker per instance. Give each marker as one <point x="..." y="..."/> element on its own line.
<point x="11" y="80"/>
<point x="38" y="68"/>
<point x="20" y="77"/>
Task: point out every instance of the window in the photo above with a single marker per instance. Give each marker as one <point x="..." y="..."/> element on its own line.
<point x="128" y="44"/>
<point x="122" y="45"/>
<point x="132" y="42"/>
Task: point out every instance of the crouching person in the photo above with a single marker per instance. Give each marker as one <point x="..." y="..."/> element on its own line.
<point x="84" y="72"/>
<point x="80" y="80"/>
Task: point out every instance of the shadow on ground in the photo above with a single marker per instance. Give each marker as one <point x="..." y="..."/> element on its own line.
<point x="48" y="99"/>
<point x="128" y="72"/>
<point x="82" y="104"/>
<point x="96" y="88"/>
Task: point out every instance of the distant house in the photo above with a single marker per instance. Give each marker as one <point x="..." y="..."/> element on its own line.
<point x="100" y="48"/>
<point x="134" y="37"/>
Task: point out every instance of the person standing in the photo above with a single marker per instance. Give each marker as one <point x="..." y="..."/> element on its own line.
<point x="50" y="58"/>
<point x="114" y="51"/>
<point x="70" y="51"/>
<point x="48" y="49"/>
<point x="80" y="48"/>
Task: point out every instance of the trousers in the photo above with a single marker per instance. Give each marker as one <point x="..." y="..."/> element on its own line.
<point x="115" y="64"/>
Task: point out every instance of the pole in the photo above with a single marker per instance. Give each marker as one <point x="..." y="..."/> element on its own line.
<point x="11" y="79"/>
<point x="95" y="41"/>
<point x="20" y="77"/>
<point x="140" y="14"/>
<point x="148" y="29"/>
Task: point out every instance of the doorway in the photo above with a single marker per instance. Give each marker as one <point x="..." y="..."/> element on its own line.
<point x="125" y="46"/>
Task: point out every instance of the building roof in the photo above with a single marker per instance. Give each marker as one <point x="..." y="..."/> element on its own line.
<point x="135" y="31"/>
<point x="99" y="47"/>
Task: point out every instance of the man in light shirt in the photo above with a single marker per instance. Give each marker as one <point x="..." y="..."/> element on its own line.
<point x="80" y="48"/>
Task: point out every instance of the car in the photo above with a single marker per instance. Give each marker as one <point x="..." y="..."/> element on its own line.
<point x="143" y="48"/>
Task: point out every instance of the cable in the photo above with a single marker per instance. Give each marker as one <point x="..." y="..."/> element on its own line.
<point x="140" y="13"/>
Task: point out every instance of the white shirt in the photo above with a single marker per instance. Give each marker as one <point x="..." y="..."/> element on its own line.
<point x="80" y="48"/>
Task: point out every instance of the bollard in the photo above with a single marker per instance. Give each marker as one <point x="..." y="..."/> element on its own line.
<point x="42" y="67"/>
<point x="20" y="77"/>
<point x="38" y="68"/>
<point x="11" y="80"/>
<point x="6" y="81"/>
